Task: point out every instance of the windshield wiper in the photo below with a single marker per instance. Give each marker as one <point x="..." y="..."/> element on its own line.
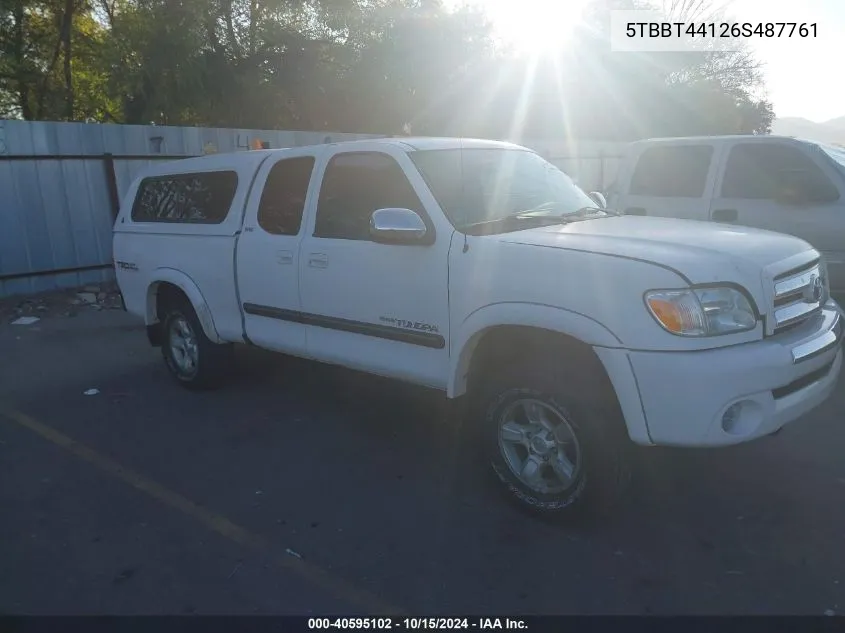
<point x="588" y="210"/>
<point x="540" y="215"/>
<point x="541" y="211"/>
<point x="518" y="219"/>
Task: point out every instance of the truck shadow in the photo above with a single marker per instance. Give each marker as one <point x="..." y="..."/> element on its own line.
<point x="765" y="478"/>
<point x="352" y="467"/>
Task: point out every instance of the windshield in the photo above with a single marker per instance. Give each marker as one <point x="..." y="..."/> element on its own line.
<point x="836" y="153"/>
<point x="478" y="185"/>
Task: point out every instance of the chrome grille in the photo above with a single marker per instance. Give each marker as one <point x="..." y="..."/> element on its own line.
<point x="798" y="296"/>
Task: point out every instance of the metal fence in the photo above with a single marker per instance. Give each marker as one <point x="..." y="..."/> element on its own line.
<point x="592" y="172"/>
<point x="87" y="186"/>
<point x="593" y="165"/>
<point x="61" y="185"/>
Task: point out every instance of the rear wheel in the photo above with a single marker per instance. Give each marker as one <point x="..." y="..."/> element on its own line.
<point x="191" y="357"/>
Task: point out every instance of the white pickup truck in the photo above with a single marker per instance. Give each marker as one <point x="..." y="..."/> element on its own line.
<point x="479" y="269"/>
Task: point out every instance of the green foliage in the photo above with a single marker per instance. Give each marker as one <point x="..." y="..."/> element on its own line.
<point x="354" y="65"/>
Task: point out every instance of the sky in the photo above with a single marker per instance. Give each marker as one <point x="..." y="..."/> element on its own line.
<point x="800" y="74"/>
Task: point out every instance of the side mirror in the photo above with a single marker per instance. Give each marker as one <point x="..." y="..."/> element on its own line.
<point x="599" y="199"/>
<point x="397" y="226"/>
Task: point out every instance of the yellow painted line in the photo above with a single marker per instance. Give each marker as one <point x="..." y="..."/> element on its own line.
<point x="318" y="576"/>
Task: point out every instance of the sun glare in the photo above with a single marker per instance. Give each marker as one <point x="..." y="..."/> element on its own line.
<point x="533" y="26"/>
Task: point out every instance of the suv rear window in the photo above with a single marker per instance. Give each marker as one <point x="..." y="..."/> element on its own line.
<point x="678" y="171"/>
<point x="203" y="198"/>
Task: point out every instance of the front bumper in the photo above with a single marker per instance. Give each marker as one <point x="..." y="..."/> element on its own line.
<point x="687" y="398"/>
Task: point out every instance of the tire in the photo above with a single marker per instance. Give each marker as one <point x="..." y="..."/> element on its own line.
<point x="192" y="359"/>
<point x="555" y="438"/>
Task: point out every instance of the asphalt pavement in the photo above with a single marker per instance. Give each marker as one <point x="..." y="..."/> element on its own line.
<point x="307" y="489"/>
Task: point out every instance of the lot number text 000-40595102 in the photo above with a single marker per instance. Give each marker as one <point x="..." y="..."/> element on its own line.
<point x="411" y="624"/>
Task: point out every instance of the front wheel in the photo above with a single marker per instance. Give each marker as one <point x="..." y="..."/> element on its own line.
<point x="191" y="357"/>
<point x="555" y="445"/>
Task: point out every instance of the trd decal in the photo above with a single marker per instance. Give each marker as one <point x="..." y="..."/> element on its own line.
<point x="126" y="265"/>
<point x="410" y="325"/>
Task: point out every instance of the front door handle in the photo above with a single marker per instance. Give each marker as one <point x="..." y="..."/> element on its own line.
<point x="725" y="215"/>
<point x="635" y="211"/>
<point x="284" y="257"/>
<point x="318" y="260"/>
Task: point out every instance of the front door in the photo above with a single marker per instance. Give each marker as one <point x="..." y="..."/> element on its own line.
<point x="754" y="190"/>
<point x="268" y="253"/>
<point x="382" y="308"/>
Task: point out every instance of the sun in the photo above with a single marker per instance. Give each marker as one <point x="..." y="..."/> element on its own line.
<point x="533" y="26"/>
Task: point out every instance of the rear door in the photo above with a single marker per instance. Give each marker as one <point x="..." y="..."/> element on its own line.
<point x="268" y="252"/>
<point x="669" y="180"/>
<point x="754" y="190"/>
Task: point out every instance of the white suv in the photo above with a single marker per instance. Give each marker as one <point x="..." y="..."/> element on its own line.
<point x="770" y="182"/>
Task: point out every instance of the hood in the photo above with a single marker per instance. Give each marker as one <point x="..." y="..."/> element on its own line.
<point x="685" y="245"/>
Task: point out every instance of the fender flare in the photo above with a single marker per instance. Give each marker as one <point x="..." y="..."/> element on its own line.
<point x="191" y="290"/>
<point x="546" y="317"/>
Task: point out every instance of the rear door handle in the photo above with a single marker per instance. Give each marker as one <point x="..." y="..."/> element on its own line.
<point x="725" y="215"/>
<point x="284" y="257"/>
<point x="318" y="260"/>
<point x="635" y="211"/>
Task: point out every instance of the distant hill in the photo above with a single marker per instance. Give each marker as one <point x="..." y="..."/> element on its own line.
<point x="838" y="122"/>
<point x="832" y="131"/>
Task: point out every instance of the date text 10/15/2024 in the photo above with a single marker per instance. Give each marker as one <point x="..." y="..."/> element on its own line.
<point x="414" y="624"/>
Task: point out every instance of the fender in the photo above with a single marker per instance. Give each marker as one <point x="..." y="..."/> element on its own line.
<point x="191" y="290"/>
<point x="608" y="347"/>
<point x="574" y="324"/>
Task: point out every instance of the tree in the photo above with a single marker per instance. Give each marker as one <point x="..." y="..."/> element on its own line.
<point x="380" y="66"/>
<point x="43" y="46"/>
<point x="589" y="91"/>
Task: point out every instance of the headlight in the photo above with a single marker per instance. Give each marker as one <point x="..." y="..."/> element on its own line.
<point x="707" y="311"/>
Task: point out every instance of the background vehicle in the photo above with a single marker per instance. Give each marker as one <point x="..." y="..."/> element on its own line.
<point x="771" y="182"/>
<point x="479" y="269"/>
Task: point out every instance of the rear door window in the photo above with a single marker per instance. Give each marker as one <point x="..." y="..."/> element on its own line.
<point x="761" y="171"/>
<point x="283" y="199"/>
<point x="677" y="171"/>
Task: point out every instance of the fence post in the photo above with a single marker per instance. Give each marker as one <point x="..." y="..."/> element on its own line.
<point x="111" y="184"/>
